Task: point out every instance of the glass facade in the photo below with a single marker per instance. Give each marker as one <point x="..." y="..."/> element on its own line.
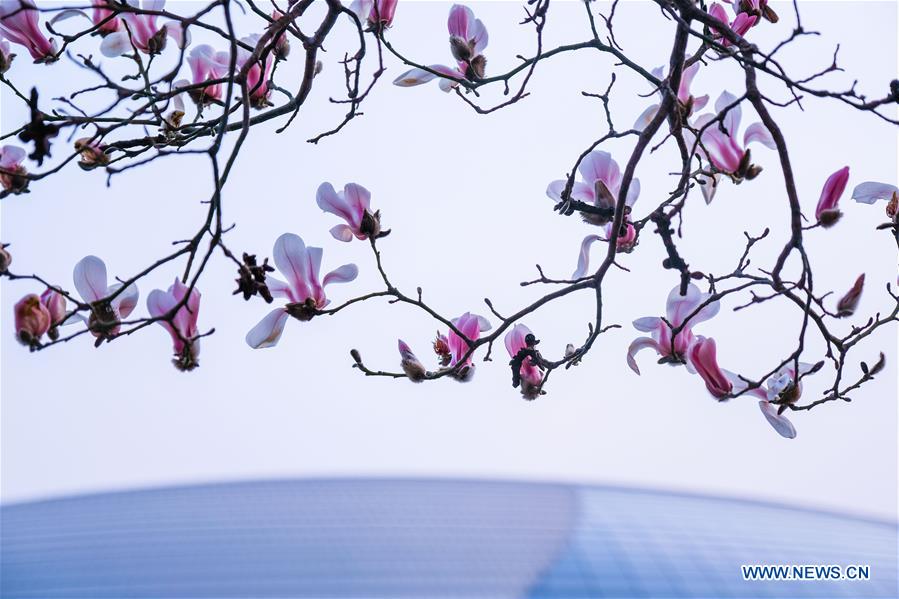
<point x="427" y="538"/>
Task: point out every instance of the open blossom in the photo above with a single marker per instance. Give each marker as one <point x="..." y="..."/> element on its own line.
<point x="410" y="364"/>
<point x="304" y="291"/>
<point x="106" y="315"/>
<point x="702" y="356"/>
<point x="92" y="152"/>
<point x="205" y="65"/>
<point x="101" y="17"/>
<point x="32" y="319"/>
<point x="781" y="390"/>
<point x="13" y="176"/>
<point x="688" y="102"/>
<point x="353" y="205"/>
<point x="183" y="326"/>
<point x="827" y="212"/>
<point x="723" y="148"/>
<point x="678" y="308"/>
<point x="529" y="373"/>
<point x="742" y="23"/>
<point x="257" y="75"/>
<point x="377" y="13"/>
<point x="19" y="24"/>
<point x="468" y="39"/>
<point x="143" y="32"/>
<point x="6" y="55"/>
<point x="600" y="185"/>
<point x="470" y="325"/>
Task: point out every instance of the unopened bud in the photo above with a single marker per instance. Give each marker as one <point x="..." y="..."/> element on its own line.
<point x="5" y="257"/>
<point x="32" y="319"/>
<point x="849" y="302"/>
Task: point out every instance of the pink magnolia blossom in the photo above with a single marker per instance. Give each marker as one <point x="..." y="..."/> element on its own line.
<point x="530" y="373"/>
<point x="13" y="176"/>
<point x="470" y="325"/>
<point x="702" y="356"/>
<point x="678" y="309"/>
<point x="183" y="326"/>
<point x="828" y="213"/>
<point x="102" y="12"/>
<point x="410" y="363"/>
<point x="781" y="390"/>
<point x="32" y="319"/>
<point x="19" y="23"/>
<point x="304" y="291"/>
<point x="106" y="315"/>
<point x="205" y="65"/>
<point x="92" y="152"/>
<point x="468" y="40"/>
<point x="722" y="148"/>
<point x="353" y="205"/>
<point x="377" y="13"/>
<point x="55" y="303"/>
<point x="6" y="55"/>
<point x="742" y="23"/>
<point x="143" y="32"/>
<point x="600" y="185"/>
<point x="689" y="102"/>
<point x="257" y="75"/>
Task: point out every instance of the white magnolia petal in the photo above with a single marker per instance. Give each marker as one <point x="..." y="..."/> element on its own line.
<point x="268" y="332"/>
<point x="115" y="44"/>
<point x="871" y="191"/>
<point x="780" y="423"/>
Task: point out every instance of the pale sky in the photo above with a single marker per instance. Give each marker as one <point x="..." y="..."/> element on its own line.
<point x="464" y="196"/>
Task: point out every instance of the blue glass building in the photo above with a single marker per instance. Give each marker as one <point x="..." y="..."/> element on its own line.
<point x="427" y="538"/>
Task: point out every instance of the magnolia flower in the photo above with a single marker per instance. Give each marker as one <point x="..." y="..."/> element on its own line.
<point x="410" y="364"/>
<point x="702" y="356"/>
<point x="32" y="319"/>
<point x="183" y="325"/>
<point x="19" y="24"/>
<point x="304" y="292"/>
<point x="353" y="206"/>
<point x="6" y="55"/>
<point x="470" y="325"/>
<point x="723" y="149"/>
<point x="13" y="176"/>
<point x="55" y="303"/>
<point x="468" y="39"/>
<point x="782" y="389"/>
<point x="106" y="315"/>
<point x="530" y="374"/>
<point x="257" y="75"/>
<point x="142" y="32"/>
<point x="205" y="65"/>
<point x="678" y="309"/>
<point x="377" y="13"/>
<point x="281" y="47"/>
<point x="102" y="12"/>
<point x="93" y="153"/>
<point x="600" y="186"/>
<point x="688" y="102"/>
<point x="755" y="8"/>
<point x="625" y="242"/>
<point x="740" y="25"/>
<point x="827" y="213"/>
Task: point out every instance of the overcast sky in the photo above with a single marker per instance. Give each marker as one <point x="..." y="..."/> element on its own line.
<point x="464" y="196"/>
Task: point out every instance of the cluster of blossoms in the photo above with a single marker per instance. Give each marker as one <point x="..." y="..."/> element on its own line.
<point x="603" y="195"/>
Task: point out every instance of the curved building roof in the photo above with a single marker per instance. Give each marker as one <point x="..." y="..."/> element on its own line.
<point x="427" y="538"/>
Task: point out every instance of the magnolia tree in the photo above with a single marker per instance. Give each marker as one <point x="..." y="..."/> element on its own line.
<point x="209" y="102"/>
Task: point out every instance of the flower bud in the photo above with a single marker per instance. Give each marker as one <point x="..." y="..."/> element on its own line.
<point x="56" y="306"/>
<point x="849" y="302"/>
<point x="282" y="44"/>
<point x="32" y="320"/>
<point x="410" y="364"/>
